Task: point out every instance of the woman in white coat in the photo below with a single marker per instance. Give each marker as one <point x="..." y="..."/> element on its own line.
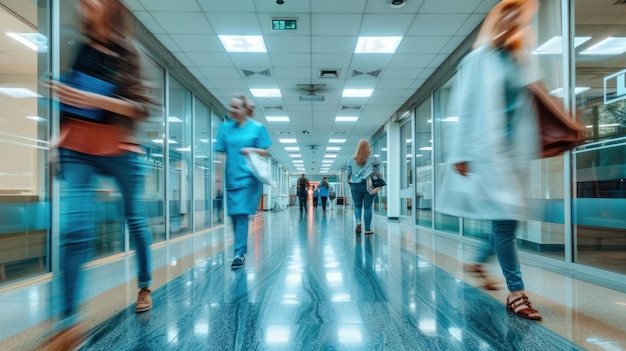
<point x="494" y="142"/>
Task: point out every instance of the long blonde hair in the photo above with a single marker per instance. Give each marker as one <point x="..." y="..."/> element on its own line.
<point x="507" y="26"/>
<point x="362" y="152"/>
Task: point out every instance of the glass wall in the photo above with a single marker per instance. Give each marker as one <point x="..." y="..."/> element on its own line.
<point x="406" y="169"/>
<point x="217" y="174"/>
<point x="423" y="165"/>
<point x="201" y="165"/>
<point x="599" y="201"/>
<point x="24" y="183"/>
<point x="179" y="140"/>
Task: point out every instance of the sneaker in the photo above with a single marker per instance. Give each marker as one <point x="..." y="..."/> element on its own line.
<point x="68" y="339"/>
<point x="144" y="300"/>
<point x="358" y="228"/>
<point x="238" y="262"/>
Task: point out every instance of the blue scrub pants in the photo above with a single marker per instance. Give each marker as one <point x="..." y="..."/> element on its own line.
<point x="240" y="225"/>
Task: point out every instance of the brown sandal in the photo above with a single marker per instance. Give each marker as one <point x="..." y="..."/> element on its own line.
<point x="522" y="307"/>
<point x="488" y="282"/>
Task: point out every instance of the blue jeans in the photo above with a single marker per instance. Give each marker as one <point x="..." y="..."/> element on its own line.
<point x="363" y="202"/>
<point x="503" y="243"/>
<point x="78" y="175"/>
<point x="240" y="225"/>
<point x="303" y="202"/>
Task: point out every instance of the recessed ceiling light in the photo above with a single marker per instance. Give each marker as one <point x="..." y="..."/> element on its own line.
<point x="243" y="43"/>
<point x="292" y="148"/>
<point x="19" y="93"/>
<point x="336" y="141"/>
<point x="357" y="92"/>
<point x="554" y="46"/>
<point x="265" y="92"/>
<point x="295" y="155"/>
<point x="608" y="46"/>
<point x="277" y="118"/>
<point x="288" y="141"/>
<point x="346" y="118"/>
<point x="333" y="148"/>
<point x="330" y="156"/>
<point x="34" y="41"/>
<point x="377" y="45"/>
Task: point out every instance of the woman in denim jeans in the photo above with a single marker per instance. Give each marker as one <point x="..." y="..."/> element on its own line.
<point x="360" y="166"/>
<point x="96" y="137"/>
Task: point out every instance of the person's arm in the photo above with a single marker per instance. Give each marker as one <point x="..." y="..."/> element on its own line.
<point x="261" y="152"/>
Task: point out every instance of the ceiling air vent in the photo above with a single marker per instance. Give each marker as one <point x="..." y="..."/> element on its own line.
<point x="329" y="73"/>
<point x="248" y="73"/>
<point x="374" y="73"/>
<point x="273" y="108"/>
<point x="350" y="108"/>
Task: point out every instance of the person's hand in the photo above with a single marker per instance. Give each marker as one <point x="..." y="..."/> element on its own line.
<point x="245" y="151"/>
<point x="461" y="167"/>
<point x="72" y="96"/>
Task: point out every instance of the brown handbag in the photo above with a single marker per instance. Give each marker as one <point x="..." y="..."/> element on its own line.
<point x="559" y="132"/>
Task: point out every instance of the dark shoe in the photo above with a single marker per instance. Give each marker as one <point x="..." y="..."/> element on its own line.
<point x="369" y="232"/>
<point x="358" y="228"/>
<point x="144" y="300"/>
<point x="238" y="262"/>
<point x="522" y="307"/>
<point x="68" y="339"/>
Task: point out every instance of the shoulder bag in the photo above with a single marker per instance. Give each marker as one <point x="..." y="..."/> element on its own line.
<point x="559" y="132"/>
<point x="374" y="183"/>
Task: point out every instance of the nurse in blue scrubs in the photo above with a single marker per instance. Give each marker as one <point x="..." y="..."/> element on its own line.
<point x="235" y="139"/>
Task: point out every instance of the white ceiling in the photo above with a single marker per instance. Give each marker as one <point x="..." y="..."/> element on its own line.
<point x="325" y="40"/>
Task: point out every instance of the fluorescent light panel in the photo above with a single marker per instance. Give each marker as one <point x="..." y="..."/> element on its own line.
<point x="335" y="141"/>
<point x="277" y="118"/>
<point x="377" y="45"/>
<point x="288" y="141"/>
<point x="608" y="46"/>
<point x="266" y="92"/>
<point x="34" y="41"/>
<point x="554" y="46"/>
<point x="333" y="148"/>
<point x="243" y="43"/>
<point x="292" y="148"/>
<point x="346" y="118"/>
<point x="357" y="92"/>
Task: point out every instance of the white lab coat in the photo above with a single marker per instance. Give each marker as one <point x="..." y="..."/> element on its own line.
<point x="497" y="184"/>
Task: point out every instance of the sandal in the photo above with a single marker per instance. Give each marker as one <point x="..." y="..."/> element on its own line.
<point x="488" y="282"/>
<point x="522" y="307"/>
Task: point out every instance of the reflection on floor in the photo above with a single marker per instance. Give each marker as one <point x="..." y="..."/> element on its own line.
<point x="310" y="283"/>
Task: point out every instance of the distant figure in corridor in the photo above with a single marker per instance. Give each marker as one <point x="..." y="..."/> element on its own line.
<point x="360" y="166"/>
<point x="324" y="187"/>
<point x="235" y="139"/>
<point x="495" y="140"/>
<point x="302" y="191"/>
<point x="316" y="195"/>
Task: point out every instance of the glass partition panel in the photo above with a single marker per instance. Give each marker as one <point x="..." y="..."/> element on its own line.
<point x="444" y="121"/>
<point x="382" y="195"/>
<point x="217" y="174"/>
<point x="179" y="180"/>
<point x="202" y="165"/>
<point x="406" y="169"/>
<point x="599" y="207"/>
<point x="25" y="121"/>
<point x="423" y="165"/>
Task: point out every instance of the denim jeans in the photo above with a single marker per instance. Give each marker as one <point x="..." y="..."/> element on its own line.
<point x="363" y="202"/>
<point x="78" y="199"/>
<point x="303" y="203"/>
<point x="240" y="226"/>
<point x="503" y="243"/>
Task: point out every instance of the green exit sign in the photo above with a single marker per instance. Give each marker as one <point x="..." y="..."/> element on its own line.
<point x="284" y="24"/>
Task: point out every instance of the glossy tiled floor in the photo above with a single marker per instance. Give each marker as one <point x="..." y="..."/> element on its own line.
<point x="310" y="283"/>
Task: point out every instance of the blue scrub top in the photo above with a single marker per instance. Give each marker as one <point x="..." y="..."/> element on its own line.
<point x="231" y="138"/>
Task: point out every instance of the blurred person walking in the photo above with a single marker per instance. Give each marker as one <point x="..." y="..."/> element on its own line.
<point x="316" y="195"/>
<point x="96" y="137"/>
<point x="324" y="189"/>
<point x="236" y="138"/>
<point x="360" y="166"/>
<point x="495" y="140"/>
<point x="302" y="191"/>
